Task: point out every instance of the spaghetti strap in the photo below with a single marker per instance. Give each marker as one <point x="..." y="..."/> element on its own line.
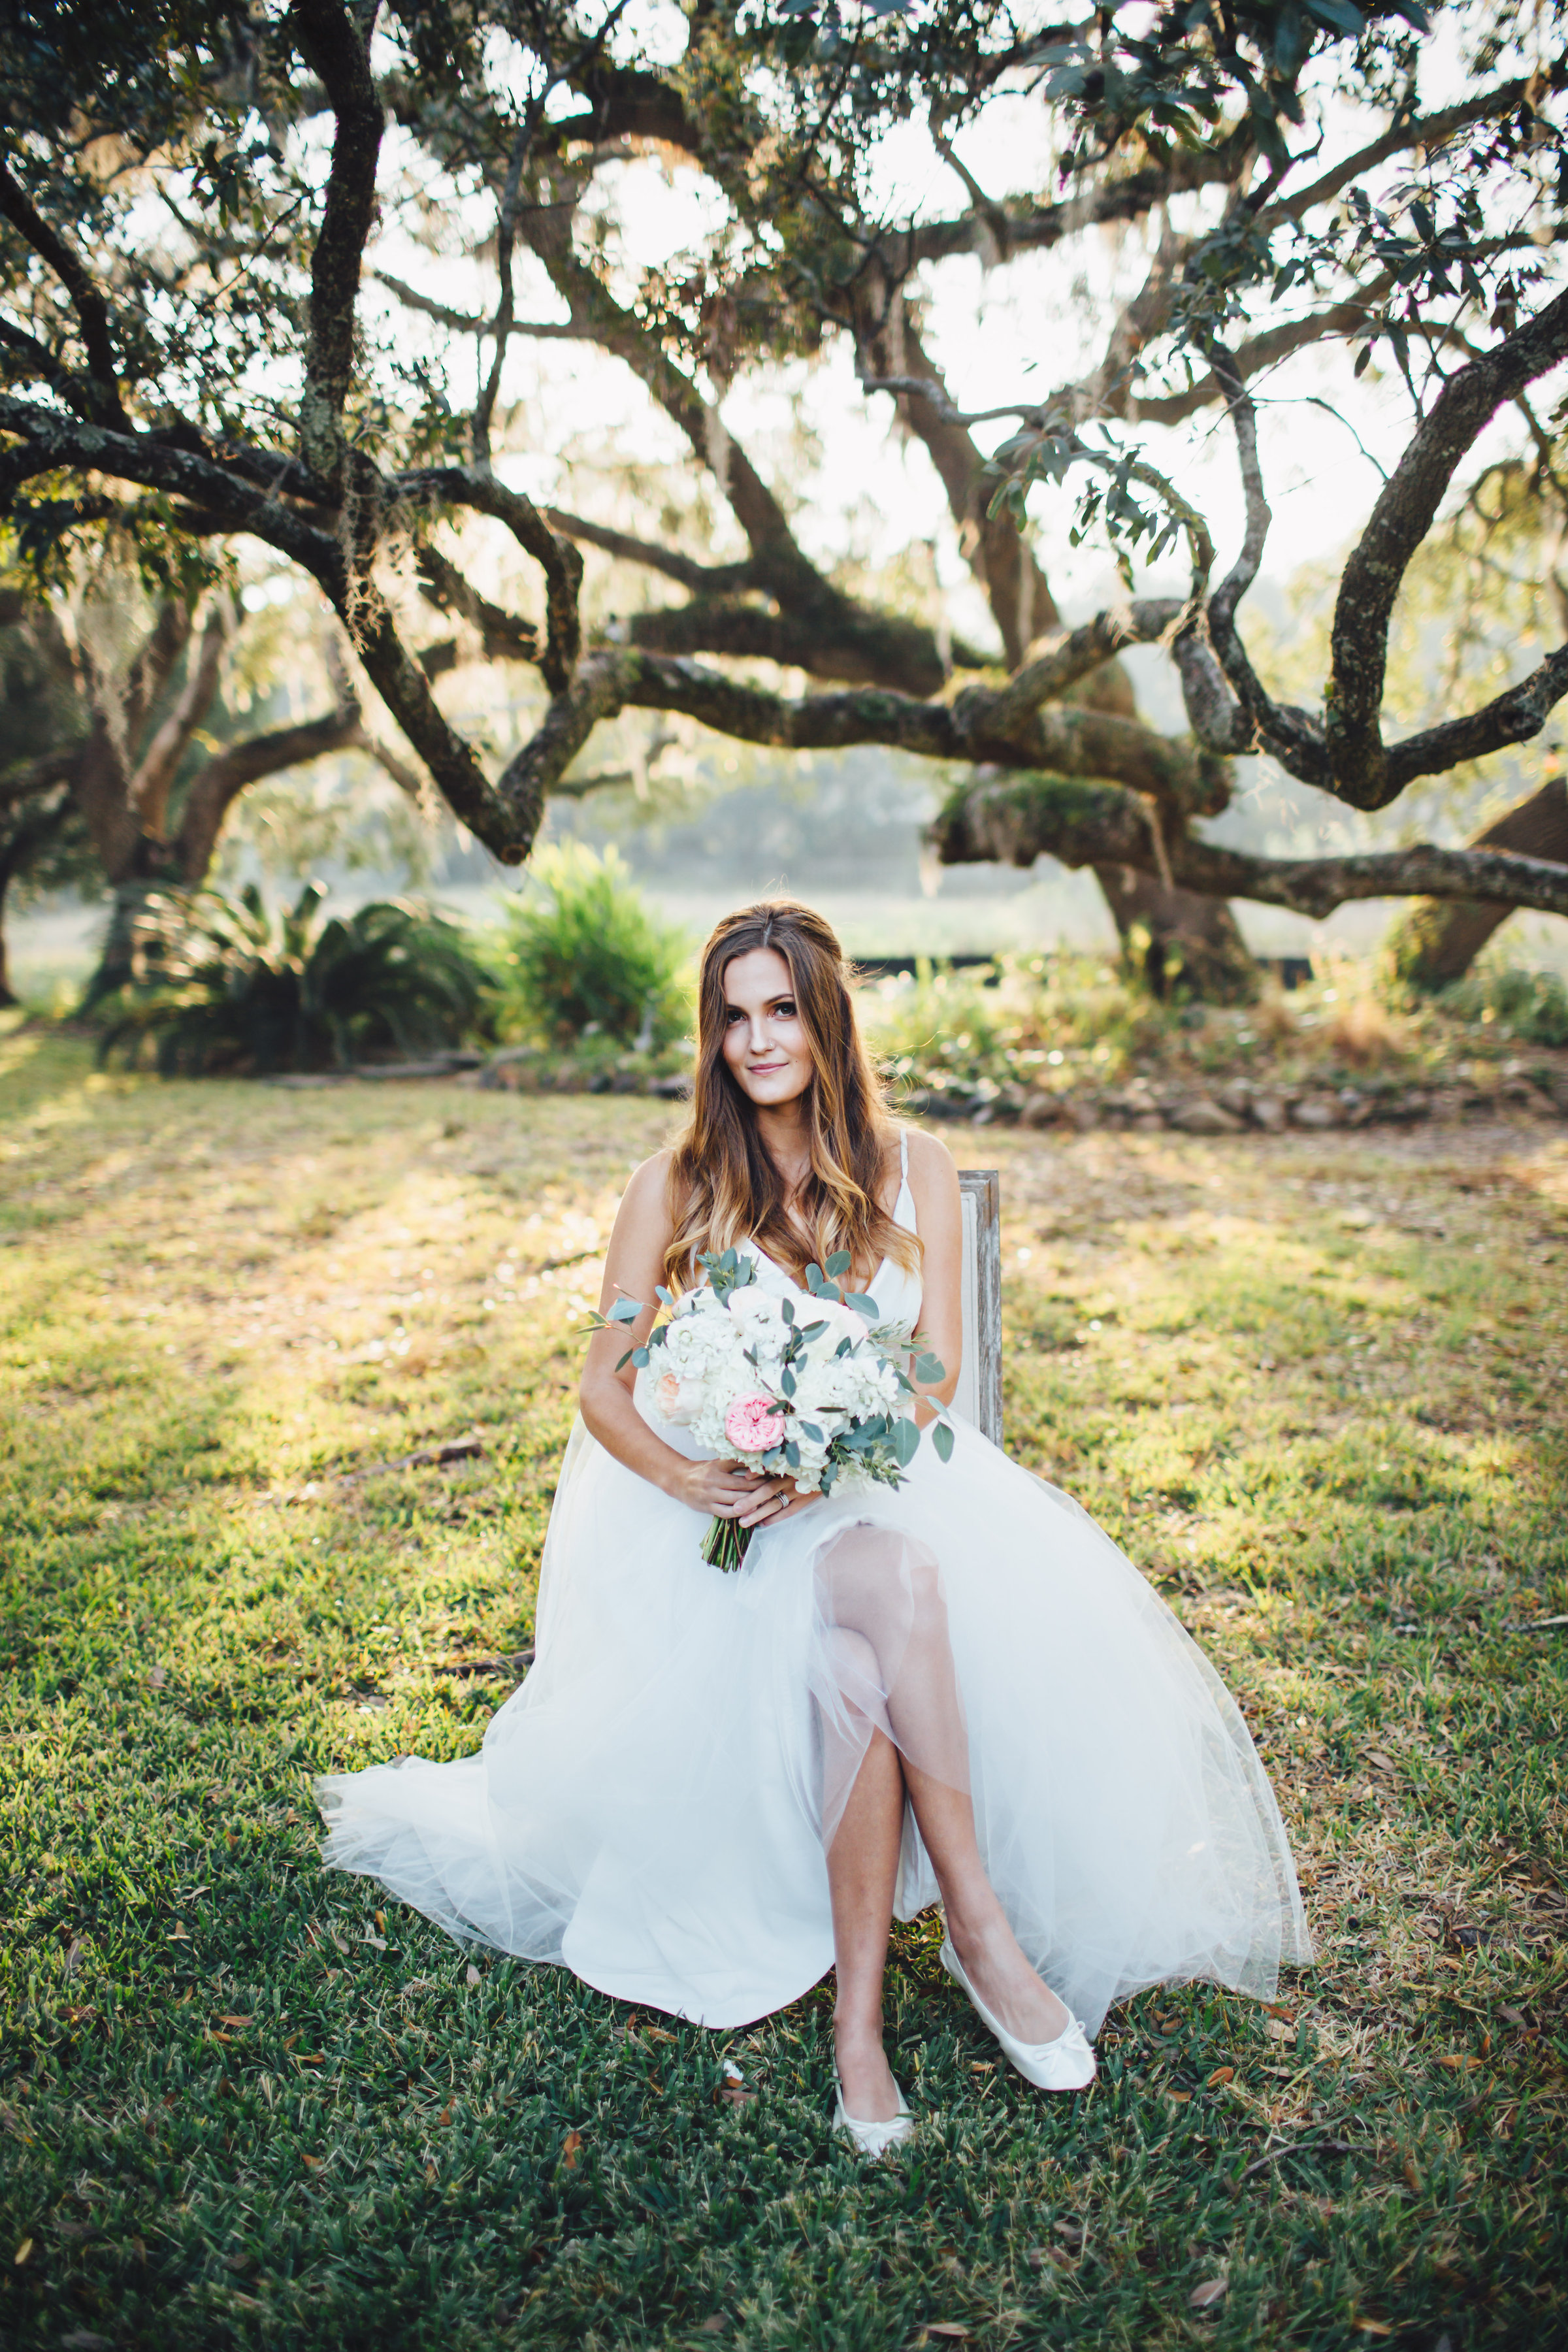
<point x="904" y="1153"/>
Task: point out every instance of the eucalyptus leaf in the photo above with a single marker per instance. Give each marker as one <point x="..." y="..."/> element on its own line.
<point x="941" y="1438"/>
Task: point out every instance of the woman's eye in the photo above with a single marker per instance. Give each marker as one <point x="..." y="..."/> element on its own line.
<point x="785" y="1012"/>
<point x="732" y="1013"/>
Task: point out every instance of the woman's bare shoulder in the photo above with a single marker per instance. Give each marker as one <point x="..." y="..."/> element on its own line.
<point x="928" y="1152"/>
<point x="648" y="1188"/>
<point x="931" y="1164"/>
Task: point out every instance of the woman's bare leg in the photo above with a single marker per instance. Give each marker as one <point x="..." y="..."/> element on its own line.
<point x="862" y="1871"/>
<point x="888" y="1592"/>
<point x="992" y="1957"/>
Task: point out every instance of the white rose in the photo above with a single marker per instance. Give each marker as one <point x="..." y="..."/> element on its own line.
<point x="677" y="1400"/>
<point x="842" y="1322"/>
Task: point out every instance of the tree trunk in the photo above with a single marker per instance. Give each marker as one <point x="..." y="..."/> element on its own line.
<point x="7" y="996"/>
<point x="117" y="957"/>
<point x="1179" y="937"/>
<point x="1180" y="943"/>
<point x="1434" y="942"/>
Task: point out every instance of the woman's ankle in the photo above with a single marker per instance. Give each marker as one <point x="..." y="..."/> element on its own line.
<point x="975" y="1922"/>
<point x="856" y="2034"/>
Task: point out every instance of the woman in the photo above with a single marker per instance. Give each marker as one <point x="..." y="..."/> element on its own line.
<point x="712" y="1785"/>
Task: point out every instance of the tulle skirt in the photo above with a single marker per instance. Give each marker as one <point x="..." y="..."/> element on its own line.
<point x="652" y="1808"/>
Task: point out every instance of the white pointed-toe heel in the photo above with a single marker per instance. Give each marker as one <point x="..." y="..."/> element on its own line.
<point x="872" y="2139"/>
<point x="1064" y="2064"/>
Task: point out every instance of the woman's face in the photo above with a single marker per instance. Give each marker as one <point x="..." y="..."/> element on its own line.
<point x="764" y="1044"/>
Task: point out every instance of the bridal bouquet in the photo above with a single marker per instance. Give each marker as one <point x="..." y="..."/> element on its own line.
<point x="811" y="1387"/>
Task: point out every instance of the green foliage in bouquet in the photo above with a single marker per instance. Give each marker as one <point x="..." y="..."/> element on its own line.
<point x="231" y="985"/>
<point x="582" y="956"/>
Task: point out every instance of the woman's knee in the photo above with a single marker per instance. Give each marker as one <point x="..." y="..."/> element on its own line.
<point x="855" y="1666"/>
<point x="878" y="1578"/>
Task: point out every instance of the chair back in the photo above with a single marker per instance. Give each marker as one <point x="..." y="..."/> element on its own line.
<point x="979" y="1394"/>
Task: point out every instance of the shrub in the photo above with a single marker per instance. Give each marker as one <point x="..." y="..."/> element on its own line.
<point x="1532" y="1004"/>
<point x="228" y="984"/>
<point x="583" y="956"/>
<point x="1028" y="1016"/>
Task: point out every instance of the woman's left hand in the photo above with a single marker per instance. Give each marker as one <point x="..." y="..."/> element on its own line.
<point x="774" y="1503"/>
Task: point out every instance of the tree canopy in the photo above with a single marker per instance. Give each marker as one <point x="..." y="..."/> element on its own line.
<point x="250" y="256"/>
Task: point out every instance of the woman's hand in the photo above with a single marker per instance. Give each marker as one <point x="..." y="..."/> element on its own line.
<point x="728" y="1490"/>
<point x="775" y="1499"/>
<point x="723" y="1490"/>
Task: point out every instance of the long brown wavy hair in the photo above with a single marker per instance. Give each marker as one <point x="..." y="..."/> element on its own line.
<point x="723" y="1186"/>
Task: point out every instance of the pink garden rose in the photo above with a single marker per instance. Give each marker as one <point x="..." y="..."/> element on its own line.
<point x="753" y="1423"/>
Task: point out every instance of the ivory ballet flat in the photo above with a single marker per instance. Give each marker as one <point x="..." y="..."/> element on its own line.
<point x="872" y="2139"/>
<point x="1064" y="2064"/>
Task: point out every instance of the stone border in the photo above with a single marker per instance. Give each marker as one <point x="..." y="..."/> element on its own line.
<point x="1241" y="1105"/>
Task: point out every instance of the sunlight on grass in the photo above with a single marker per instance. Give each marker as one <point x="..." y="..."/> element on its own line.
<point x="1314" y="1384"/>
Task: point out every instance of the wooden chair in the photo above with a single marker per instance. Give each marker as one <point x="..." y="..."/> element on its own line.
<point x="979" y="1395"/>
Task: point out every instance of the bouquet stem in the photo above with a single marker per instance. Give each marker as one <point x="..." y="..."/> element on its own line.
<point x="724" y="1545"/>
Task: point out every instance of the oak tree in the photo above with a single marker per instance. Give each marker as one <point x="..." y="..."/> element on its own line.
<point x="228" y="237"/>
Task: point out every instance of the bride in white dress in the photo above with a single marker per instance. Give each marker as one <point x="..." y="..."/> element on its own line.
<point x="712" y="1786"/>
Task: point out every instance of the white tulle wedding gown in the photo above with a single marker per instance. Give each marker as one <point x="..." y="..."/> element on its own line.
<point x="651" y="1807"/>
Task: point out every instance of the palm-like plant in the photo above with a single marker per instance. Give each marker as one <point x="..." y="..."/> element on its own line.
<point x="228" y="984"/>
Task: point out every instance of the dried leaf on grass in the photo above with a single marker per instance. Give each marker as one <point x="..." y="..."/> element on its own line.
<point x="1211" y="2291"/>
<point x="571" y="2148"/>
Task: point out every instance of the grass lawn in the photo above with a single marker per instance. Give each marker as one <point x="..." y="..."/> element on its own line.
<point x="1315" y="1384"/>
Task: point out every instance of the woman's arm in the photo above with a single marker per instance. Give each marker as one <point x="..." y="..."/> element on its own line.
<point x="939" y="1216"/>
<point x="634" y="1264"/>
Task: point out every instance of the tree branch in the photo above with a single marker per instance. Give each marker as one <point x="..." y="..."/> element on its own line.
<point x="91" y="311"/>
<point x="1427" y="130"/>
<point x="149" y="789"/>
<point x="230" y="771"/>
<point x="476" y="486"/>
<point x="504" y="635"/>
<point x="1404" y="514"/>
<point x="1014" y="820"/>
<point x="333" y="45"/>
<point x="468" y="323"/>
<point x="40" y="775"/>
<point x="1288" y="729"/>
<point x="52" y="439"/>
<point x="781" y="564"/>
<point x="705" y="579"/>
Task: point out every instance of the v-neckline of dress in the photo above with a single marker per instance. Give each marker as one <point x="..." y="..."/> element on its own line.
<point x="903" y="1193"/>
